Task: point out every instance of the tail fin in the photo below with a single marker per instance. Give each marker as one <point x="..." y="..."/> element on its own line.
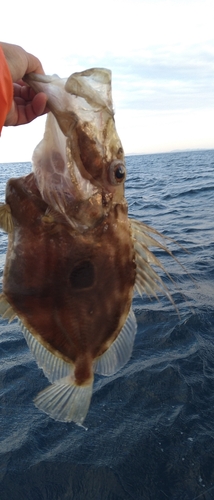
<point x="65" y="401"/>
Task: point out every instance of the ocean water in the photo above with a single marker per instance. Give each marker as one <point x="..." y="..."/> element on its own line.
<point x="149" y="433"/>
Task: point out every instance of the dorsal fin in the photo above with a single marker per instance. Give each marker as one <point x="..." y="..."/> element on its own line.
<point x="6" y="310"/>
<point x="6" y="221"/>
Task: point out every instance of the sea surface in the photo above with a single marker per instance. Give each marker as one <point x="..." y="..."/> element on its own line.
<point x="149" y="433"/>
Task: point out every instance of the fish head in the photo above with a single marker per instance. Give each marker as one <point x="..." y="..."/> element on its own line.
<point x="79" y="165"/>
<point x="100" y="147"/>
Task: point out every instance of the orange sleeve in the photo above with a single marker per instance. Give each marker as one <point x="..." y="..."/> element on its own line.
<point x="6" y="89"/>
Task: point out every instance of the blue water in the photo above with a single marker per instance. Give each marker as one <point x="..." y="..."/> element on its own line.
<point x="149" y="433"/>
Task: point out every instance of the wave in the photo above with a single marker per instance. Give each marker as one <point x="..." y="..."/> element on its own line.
<point x="149" y="431"/>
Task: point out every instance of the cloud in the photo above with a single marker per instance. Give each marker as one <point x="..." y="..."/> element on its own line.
<point x="165" y="79"/>
<point x="161" y="54"/>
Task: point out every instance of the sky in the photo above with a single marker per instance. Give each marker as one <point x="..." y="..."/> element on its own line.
<point x="160" y="52"/>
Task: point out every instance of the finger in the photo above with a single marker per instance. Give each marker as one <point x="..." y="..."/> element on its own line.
<point x="20" y="82"/>
<point x="19" y="101"/>
<point x="39" y="103"/>
<point x="36" y="108"/>
<point x="23" y="91"/>
<point x="23" y="112"/>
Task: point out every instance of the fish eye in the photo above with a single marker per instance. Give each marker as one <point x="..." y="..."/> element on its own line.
<point x="117" y="172"/>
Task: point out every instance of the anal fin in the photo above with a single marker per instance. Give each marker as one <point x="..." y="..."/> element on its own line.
<point x="119" y="352"/>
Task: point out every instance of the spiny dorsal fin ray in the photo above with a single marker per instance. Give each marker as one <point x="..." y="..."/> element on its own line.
<point x="142" y="288"/>
<point x="6" y="220"/>
<point x="146" y="286"/>
<point x="119" y="352"/>
<point x="141" y="232"/>
<point x="147" y="275"/>
<point x="145" y="270"/>
<point x="6" y="310"/>
<point x="147" y="279"/>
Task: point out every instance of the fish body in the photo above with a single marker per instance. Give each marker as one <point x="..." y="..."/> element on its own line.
<point x="74" y="258"/>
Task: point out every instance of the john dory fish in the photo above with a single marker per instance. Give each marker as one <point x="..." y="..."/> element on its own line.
<point x="74" y="258"/>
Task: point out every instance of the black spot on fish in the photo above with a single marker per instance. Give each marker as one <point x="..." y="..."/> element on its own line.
<point x="82" y="275"/>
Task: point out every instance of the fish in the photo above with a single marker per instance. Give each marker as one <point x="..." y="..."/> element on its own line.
<point x="75" y="259"/>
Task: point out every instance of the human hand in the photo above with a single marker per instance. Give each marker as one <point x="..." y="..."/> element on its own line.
<point x="26" y="105"/>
